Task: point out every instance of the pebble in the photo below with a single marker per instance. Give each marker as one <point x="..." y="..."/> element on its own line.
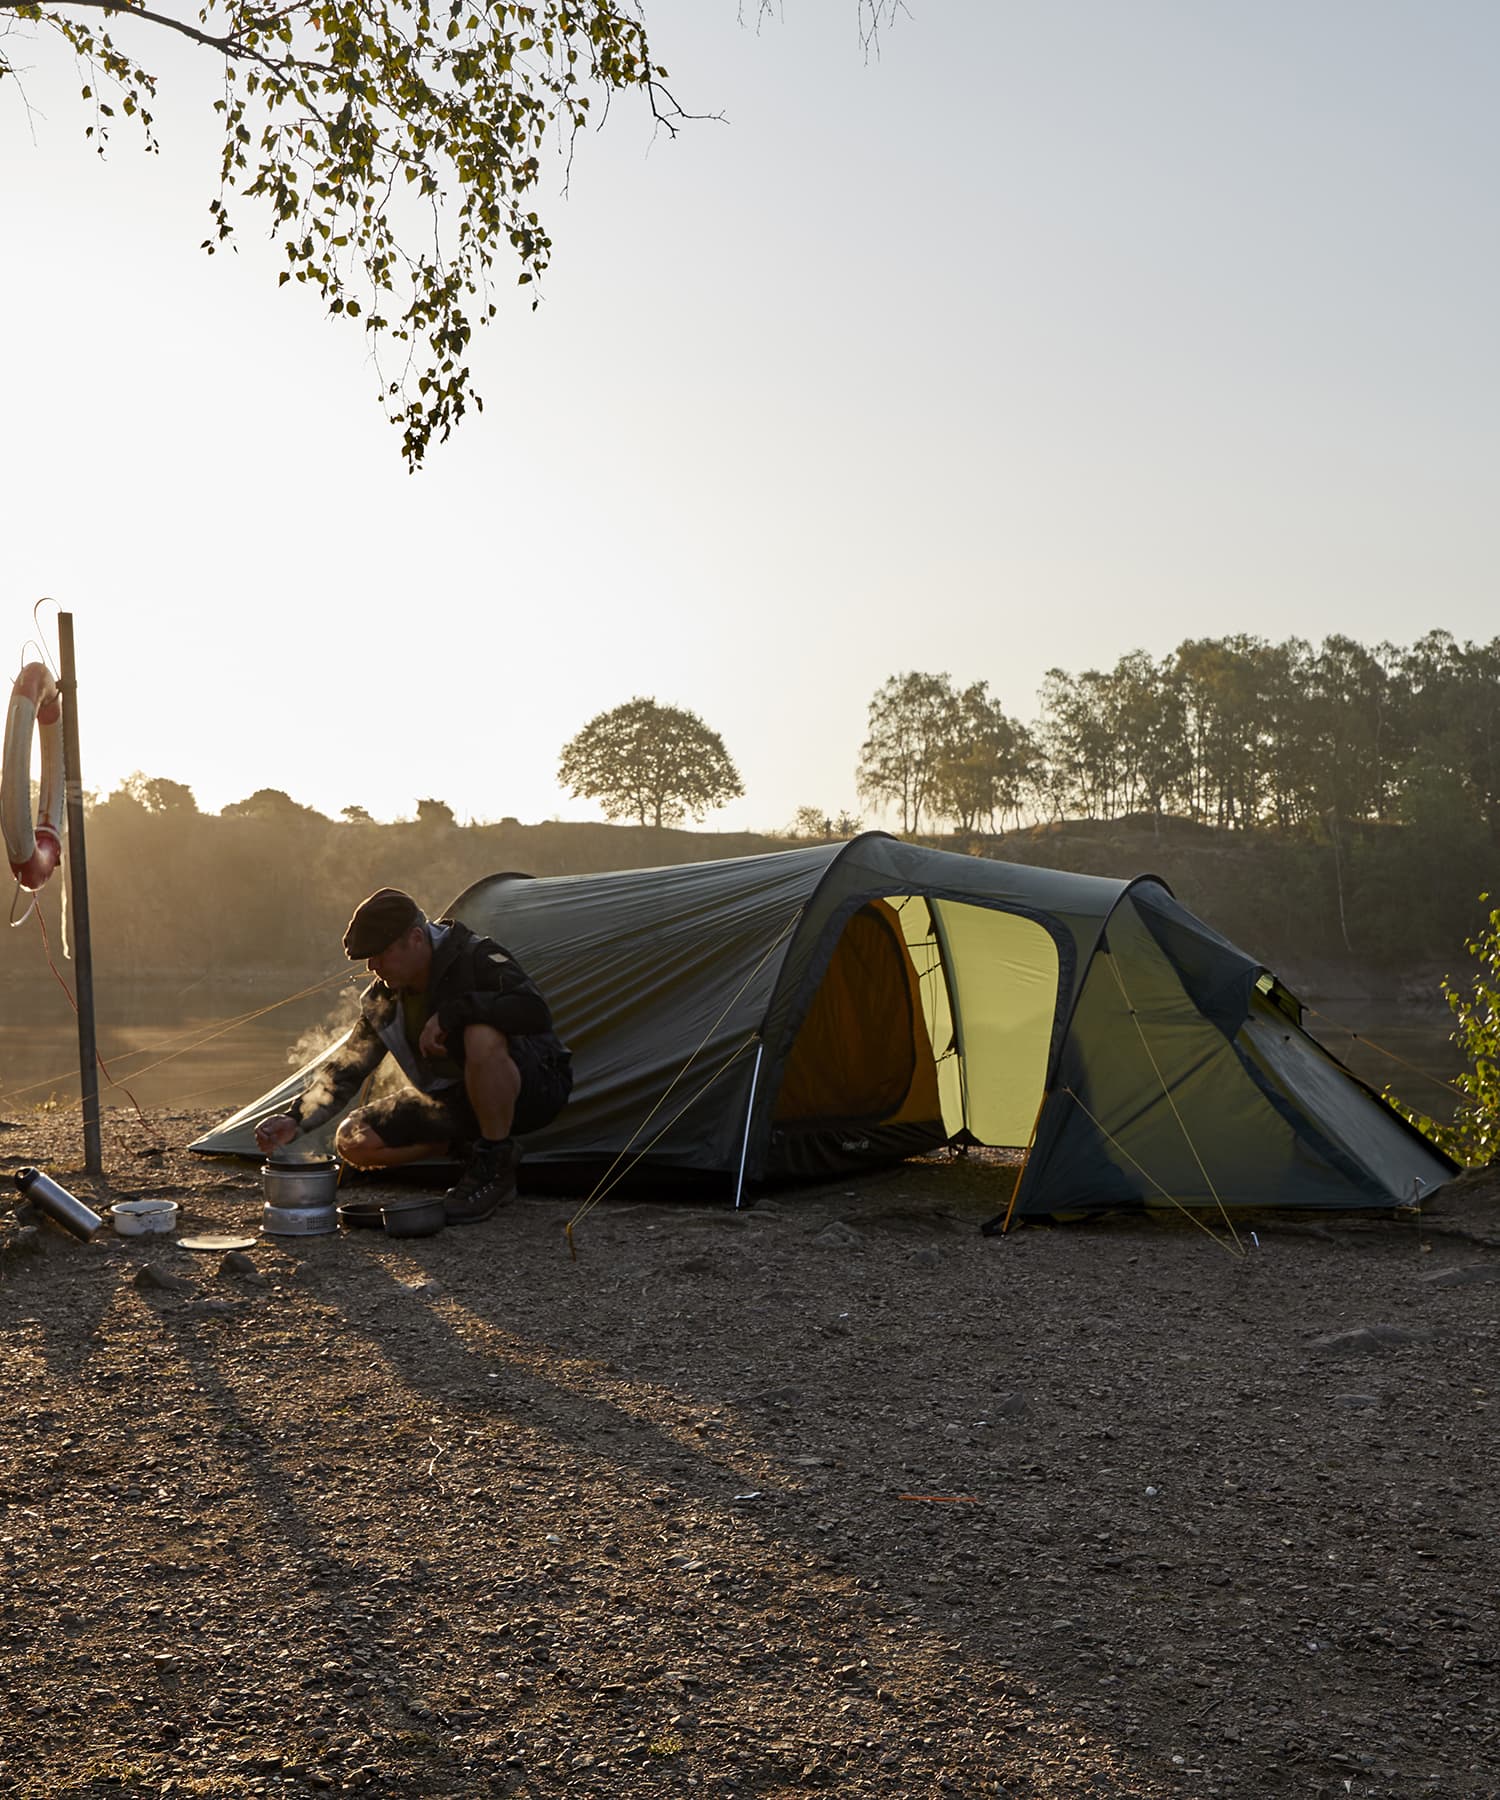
<point x="149" y="1277"/>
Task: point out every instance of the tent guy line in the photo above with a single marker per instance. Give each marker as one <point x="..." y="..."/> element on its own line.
<point x="1135" y="1019"/>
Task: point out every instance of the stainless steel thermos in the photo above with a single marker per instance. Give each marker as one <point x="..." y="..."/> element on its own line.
<point x="58" y="1203"/>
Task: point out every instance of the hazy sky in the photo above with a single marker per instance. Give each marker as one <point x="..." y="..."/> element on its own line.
<point x="1056" y="330"/>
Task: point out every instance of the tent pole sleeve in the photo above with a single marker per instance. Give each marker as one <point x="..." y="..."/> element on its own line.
<point x="739" y="1186"/>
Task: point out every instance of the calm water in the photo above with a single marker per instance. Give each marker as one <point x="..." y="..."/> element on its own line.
<point x="1370" y="1037"/>
<point x="138" y="1027"/>
<point x="166" y="1043"/>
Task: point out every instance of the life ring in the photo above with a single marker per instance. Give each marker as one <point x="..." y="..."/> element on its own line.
<point x="34" y="848"/>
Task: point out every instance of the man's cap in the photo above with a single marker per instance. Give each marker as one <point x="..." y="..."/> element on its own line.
<point x="379" y="921"/>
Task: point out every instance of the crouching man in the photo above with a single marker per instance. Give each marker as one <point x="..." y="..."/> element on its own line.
<point x="473" y="1037"/>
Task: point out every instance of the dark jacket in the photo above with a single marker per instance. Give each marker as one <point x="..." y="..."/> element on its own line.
<point x="474" y="981"/>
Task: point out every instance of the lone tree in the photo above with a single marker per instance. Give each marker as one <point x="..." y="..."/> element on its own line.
<point x="655" y="764"/>
<point x="396" y="144"/>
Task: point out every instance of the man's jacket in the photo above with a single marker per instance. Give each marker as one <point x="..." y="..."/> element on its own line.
<point x="473" y="982"/>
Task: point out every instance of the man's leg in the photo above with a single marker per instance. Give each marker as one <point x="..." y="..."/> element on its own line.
<point x="402" y="1127"/>
<point x="493" y="1085"/>
<point x="491" y="1079"/>
<point x="359" y="1143"/>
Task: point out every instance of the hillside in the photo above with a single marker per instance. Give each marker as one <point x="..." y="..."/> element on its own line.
<point x="190" y="896"/>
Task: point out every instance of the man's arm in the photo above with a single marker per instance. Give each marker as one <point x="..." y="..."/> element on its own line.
<point x="338" y="1080"/>
<point x="505" y="998"/>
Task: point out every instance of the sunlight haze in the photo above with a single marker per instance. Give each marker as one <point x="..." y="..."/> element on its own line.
<point x="1045" y="333"/>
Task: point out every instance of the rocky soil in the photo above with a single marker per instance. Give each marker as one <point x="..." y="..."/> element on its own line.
<point x="831" y="1495"/>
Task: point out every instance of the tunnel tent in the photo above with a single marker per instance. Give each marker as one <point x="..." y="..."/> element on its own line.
<point x="841" y="1006"/>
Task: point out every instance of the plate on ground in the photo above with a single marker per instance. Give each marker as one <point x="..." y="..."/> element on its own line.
<point x="218" y="1240"/>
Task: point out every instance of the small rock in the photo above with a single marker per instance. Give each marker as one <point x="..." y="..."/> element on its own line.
<point x="925" y="1259"/>
<point x="159" y="1280"/>
<point x="1010" y="1406"/>
<point x="26" y="1242"/>
<point x="423" y="1285"/>
<point x="235" y="1262"/>
<point x="837" y="1236"/>
<point x="1356" y="1402"/>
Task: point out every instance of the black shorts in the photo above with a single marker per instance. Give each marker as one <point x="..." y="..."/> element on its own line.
<point x="408" y="1117"/>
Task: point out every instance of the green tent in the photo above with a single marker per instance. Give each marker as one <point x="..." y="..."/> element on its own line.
<point x="842" y="1006"/>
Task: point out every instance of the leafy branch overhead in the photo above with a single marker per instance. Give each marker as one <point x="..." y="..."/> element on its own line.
<point x="397" y="144"/>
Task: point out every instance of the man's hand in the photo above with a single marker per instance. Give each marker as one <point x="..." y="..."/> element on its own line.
<point x="271" y="1133"/>
<point x="434" y="1040"/>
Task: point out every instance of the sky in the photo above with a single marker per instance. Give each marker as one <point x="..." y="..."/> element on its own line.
<point x="1046" y="333"/>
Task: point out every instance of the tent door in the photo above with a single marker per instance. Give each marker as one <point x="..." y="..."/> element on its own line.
<point x="862" y="1054"/>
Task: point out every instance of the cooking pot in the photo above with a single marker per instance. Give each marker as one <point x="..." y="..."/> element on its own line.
<point x="419" y="1216"/>
<point x="311" y="1182"/>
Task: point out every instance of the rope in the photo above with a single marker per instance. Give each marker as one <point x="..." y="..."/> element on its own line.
<point x="15" y="923"/>
<point x="41" y="641"/>
<point x="189" y="1040"/>
<point x="604" y="1183"/>
<point x="1359" y="1037"/>
<point x="47" y="948"/>
<point x="1181" y="1122"/>
<point x="1238" y="1249"/>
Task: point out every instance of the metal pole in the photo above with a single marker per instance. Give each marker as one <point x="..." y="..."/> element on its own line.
<point x="78" y="888"/>
<point x="739" y="1186"/>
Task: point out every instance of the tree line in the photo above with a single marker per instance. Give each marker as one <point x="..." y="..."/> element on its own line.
<point x="1330" y="802"/>
<point x="1234" y="732"/>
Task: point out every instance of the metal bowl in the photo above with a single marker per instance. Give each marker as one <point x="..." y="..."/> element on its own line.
<point x="361" y="1215"/>
<point x="419" y="1217"/>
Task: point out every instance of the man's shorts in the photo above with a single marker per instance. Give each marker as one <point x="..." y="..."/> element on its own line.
<point x="408" y="1117"/>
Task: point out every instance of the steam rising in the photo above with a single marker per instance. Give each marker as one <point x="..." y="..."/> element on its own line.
<point x="318" y="1038"/>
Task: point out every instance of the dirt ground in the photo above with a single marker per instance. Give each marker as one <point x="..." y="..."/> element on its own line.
<point x="834" y="1494"/>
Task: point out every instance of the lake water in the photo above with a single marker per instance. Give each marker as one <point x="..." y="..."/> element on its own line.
<point x="166" y="1043"/>
<point x="139" y="1026"/>
<point x="1407" y="1049"/>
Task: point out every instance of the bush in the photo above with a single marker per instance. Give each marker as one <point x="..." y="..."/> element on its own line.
<point x="1473" y="1137"/>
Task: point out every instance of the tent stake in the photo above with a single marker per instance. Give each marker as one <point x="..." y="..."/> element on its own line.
<point x="739" y="1186"/>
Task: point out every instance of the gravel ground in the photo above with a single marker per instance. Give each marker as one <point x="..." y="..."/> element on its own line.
<point x="834" y="1494"/>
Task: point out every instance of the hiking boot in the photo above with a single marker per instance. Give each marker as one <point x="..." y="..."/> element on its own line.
<point x="488" y="1182"/>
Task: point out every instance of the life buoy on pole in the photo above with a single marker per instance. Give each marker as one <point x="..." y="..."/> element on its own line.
<point x="34" y="847"/>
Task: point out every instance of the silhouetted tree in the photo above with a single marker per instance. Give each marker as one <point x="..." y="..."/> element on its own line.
<point x="159" y="795"/>
<point x="912" y="731"/>
<point x="272" y="807"/>
<point x="655" y="764"/>
<point x="983" y="769"/>
<point x="436" y="813"/>
<point x="812" y="822"/>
